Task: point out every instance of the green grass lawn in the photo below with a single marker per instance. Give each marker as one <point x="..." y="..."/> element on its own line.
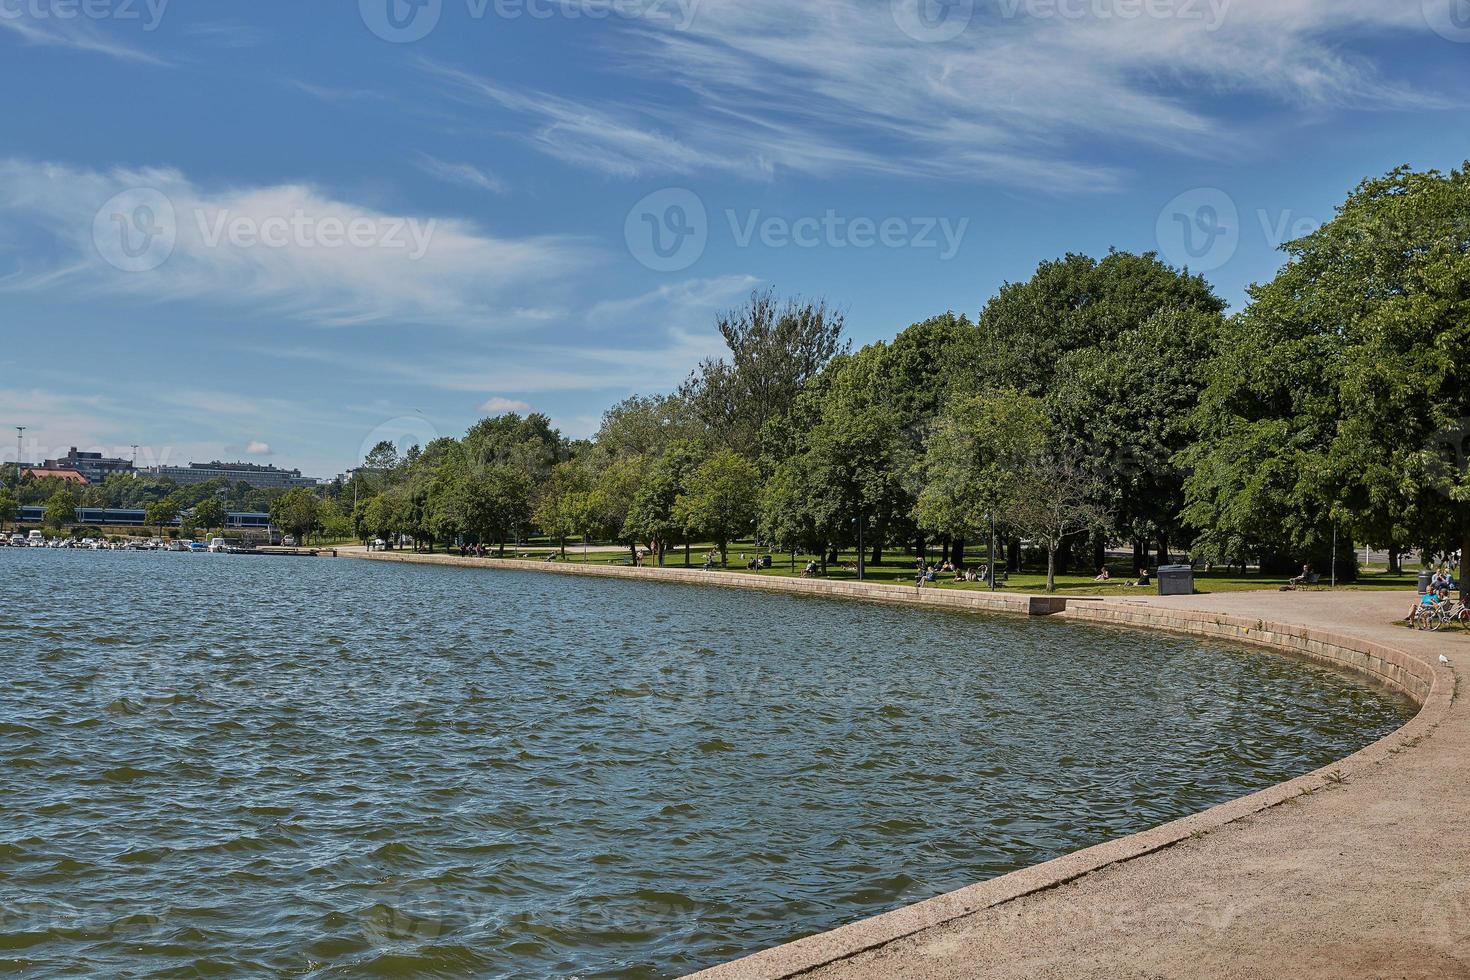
<point x="899" y="568"/>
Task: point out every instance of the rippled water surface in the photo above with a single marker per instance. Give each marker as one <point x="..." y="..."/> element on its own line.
<point x="222" y="765"/>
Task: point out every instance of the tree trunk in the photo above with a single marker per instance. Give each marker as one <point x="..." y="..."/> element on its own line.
<point x="563" y="542"/>
<point x="1163" y="550"/>
<point x="662" y="547"/>
<point x="1099" y="553"/>
<point x="1013" y="555"/>
<point x="686" y="551"/>
<point x="1140" y="556"/>
<point x="877" y="553"/>
<point x="919" y="547"/>
<point x="1063" y="557"/>
<point x="957" y="553"/>
<point x="724" y="553"/>
<point x="1394" y="568"/>
<point x="1051" y="568"/>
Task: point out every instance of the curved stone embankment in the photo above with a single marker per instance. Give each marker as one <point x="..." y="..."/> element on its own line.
<point x="869" y="591"/>
<point x="1359" y="869"/>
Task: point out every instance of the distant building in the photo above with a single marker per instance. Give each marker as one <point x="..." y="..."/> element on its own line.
<point x="94" y="466"/>
<point x="258" y="476"/>
<point x="56" y="473"/>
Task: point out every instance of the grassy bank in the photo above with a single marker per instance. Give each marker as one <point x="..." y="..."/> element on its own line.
<point x="899" y="568"/>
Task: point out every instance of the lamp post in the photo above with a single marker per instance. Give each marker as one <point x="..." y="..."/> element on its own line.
<point x="1334" y="554"/>
<point x="990" y="572"/>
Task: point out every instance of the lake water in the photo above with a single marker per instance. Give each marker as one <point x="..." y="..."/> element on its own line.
<point x="267" y="766"/>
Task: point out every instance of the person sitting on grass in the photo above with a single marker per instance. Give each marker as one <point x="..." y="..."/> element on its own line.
<point x="810" y="571"/>
<point x="1103" y="575"/>
<point x="1142" y="582"/>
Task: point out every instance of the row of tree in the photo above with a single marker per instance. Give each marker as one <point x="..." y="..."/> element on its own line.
<point x="1101" y="401"/>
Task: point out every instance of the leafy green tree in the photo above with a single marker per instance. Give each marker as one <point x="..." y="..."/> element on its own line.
<point x="1074" y="303"/>
<point x="644" y="425"/>
<point x="855" y="461"/>
<point x="9" y="507"/>
<point x="651" y="514"/>
<point x="975" y="458"/>
<point x="1055" y="497"/>
<point x="161" y="513"/>
<point x="529" y="443"/>
<point x="375" y="518"/>
<point x="1125" y="406"/>
<point x="336" y="519"/>
<point x="775" y="349"/>
<point x="721" y="501"/>
<point x="561" y="510"/>
<point x="209" y="513"/>
<point x="615" y="486"/>
<point x="793" y="517"/>
<point x="1339" y="397"/>
<point x="297" y="512"/>
<point x="61" y="509"/>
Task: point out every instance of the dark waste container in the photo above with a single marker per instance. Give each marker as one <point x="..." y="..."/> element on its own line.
<point x="1176" y="580"/>
<point x="1425" y="575"/>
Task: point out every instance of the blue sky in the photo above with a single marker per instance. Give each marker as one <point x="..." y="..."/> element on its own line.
<point x="280" y="231"/>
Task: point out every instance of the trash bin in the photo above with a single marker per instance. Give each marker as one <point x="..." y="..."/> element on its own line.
<point x="1176" y="580"/>
<point x="1425" y="576"/>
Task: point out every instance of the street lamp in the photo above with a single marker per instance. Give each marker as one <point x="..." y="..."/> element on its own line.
<point x="990" y="572"/>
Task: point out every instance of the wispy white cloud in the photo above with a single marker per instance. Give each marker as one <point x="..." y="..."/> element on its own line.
<point x="674" y="305"/>
<point x="498" y="405"/>
<point x="257" y="448"/>
<point x="294" y="259"/>
<point x="330" y="93"/>
<point x="652" y="361"/>
<point x="44" y="23"/>
<point x="462" y="174"/>
<point x="228" y="34"/>
<point x="1027" y="92"/>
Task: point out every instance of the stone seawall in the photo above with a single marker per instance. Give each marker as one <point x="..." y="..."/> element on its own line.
<point x="1026" y="605"/>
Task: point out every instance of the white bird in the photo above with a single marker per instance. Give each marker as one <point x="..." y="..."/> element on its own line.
<point x="1444" y="660"/>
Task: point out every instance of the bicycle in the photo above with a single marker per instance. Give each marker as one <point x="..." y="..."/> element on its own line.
<point x="1436" y="617"/>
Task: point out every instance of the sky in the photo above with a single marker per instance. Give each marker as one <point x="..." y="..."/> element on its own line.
<point x="281" y="231"/>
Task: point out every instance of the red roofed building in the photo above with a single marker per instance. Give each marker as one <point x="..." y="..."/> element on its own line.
<point x="41" y="473"/>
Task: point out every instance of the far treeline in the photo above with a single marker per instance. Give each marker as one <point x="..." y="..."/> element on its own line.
<point x="1102" y="401"/>
<point x="200" y="506"/>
